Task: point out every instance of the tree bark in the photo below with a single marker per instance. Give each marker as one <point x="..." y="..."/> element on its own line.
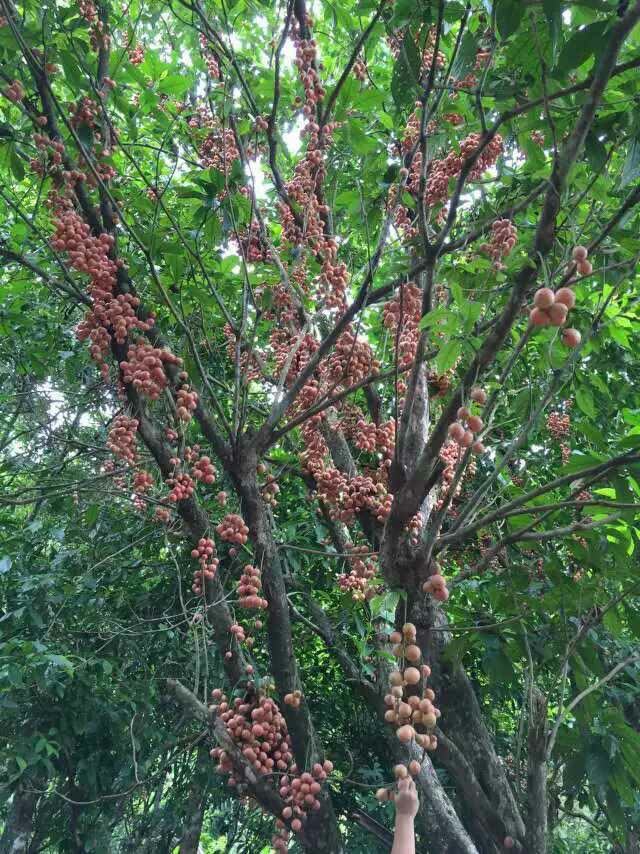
<point x="463" y="723"/>
<point x="19" y="826"/>
<point x="537" y="774"/>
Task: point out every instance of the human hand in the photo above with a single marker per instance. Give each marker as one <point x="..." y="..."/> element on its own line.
<point x="406" y="798"/>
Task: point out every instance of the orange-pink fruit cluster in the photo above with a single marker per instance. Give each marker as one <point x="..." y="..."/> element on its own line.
<point x="233" y="529"/>
<point x="462" y="431"/>
<point x="249" y="587"/>
<point x="121" y="440"/>
<point x="204" y="470"/>
<point x="407" y="707"/>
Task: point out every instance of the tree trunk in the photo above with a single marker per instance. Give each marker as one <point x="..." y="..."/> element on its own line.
<point x="190" y="840"/>
<point x="19" y="826"/>
<point x="463" y="722"/>
<point x="537" y="774"/>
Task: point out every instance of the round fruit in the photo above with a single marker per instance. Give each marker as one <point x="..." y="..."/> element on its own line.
<point x="558" y="314"/>
<point x="543" y="298"/>
<point x="571" y="337"/>
<point x="539" y="317"/>
<point x="566" y="296"/>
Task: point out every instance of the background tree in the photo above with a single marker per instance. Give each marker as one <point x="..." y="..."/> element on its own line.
<point x="320" y="429"/>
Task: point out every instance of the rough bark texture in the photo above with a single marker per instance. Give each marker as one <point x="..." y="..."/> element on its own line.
<point x="190" y="840"/>
<point x="463" y="722"/>
<point x="19" y="826"/>
<point x="537" y="774"/>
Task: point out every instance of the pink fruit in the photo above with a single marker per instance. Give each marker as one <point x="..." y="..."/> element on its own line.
<point x="543" y="298"/>
<point x="558" y="314"/>
<point x="456" y="431"/>
<point x="463" y="413"/>
<point x="580" y="253"/>
<point x="479" y="395"/>
<point x="585" y="268"/>
<point x="539" y="317"/>
<point x="475" y="423"/>
<point x="467" y="439"/>
<point x="566" y="296"/>
<point x="478" y="447"/>
<point x="571" y="337"/>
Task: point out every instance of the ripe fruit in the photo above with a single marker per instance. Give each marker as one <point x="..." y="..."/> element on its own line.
<point x="412" y="653"/>
<point x="479" y="395"/>
<point x="411" y="675"/>
<point x="405" y="733"/>
<point x="543" y="298"/>
<point x="467" y="439"/>
<point x="580" y="253"/>
<point x="585" y="268"/>
<point x="558" y="314"/>
<point x="400" y="772"/>
<point x="566" y="296"/>
<point x="475" y="423"/>
<point x="463" y="413"/>
<point x="456" y="431"/>
<point x="478" y="447"/>
<point x="539" y="317"/>
<point x="414" y="767"/>
<point x="409" y="631"/>
<point x="571" y="337"/>
<point x="395" y="637"/>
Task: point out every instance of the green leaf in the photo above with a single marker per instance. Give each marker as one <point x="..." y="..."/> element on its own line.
<point x="584" y="399"/>
<point x="406" y="73"/>
<point x="553" y="13"/>
<point x="508" y="16"/>
<point x="466" y="56"/>
<point x="580" y="47"/>
<point x="596" y="152"/>
<point x="447" y="356"/>
<point x="631" y="168"/>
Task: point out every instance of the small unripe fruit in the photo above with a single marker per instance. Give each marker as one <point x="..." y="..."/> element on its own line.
<point x="382" y="795"/>
<point x="566" y="296"/>
<point x="429" y="720"/>
<point x="390" y="716"/>
<point x="409" y="630"/>
<point x="543" y="298"/>
<point x="571" y="337"/>
<point x="400" y="772"/>
<point x="395" y="678"/>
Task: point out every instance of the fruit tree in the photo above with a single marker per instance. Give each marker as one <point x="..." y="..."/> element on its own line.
<point x="320" y="424"/>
